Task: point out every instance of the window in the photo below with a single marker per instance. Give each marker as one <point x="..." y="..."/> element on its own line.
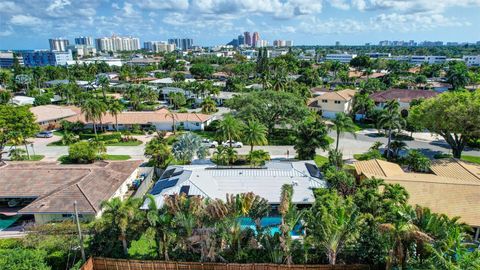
<point x="337" y="101"/>
<point x="324" y="101"/>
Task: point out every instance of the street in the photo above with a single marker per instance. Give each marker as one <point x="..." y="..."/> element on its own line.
<point x="348" y="144"/>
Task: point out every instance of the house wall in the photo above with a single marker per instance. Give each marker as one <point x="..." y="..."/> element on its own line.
<point x="46" y="218"/>
<point x="330" y="108"/>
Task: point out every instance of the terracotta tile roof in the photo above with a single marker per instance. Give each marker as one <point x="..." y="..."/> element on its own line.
<point x="57" y="186"/>
<point x="402" y="95"/>
<point x="145" y="117"/>
<point x="51" y="112"/>
<point x="453" y="189"/>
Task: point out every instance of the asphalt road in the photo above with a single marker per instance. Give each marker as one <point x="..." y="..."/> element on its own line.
<point x="348" y="144"/>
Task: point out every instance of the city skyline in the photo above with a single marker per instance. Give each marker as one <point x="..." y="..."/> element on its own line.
<point x="29" y="25"/>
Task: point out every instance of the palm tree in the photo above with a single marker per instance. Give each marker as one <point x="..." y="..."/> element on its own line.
<point x="255" y="133"/>
<point x="291" y="216"/>
<point x="161" y="221"/>
<point x="397" y="146"/>
<point x="104" y="82"/>
<point x="342" y="123"/>
<point x="92" y="109"/>
<point x="187" y="146"/>
<point x="230" y="129"/>
<point x="173" y="116"/>
<point x="158" y="152"/>
<point x="115" y="108"/>
<point x="120" y="214"/>
<point x="391" y="119"/>
<point x="209" y="106"/>
<point x="401" y="233"/>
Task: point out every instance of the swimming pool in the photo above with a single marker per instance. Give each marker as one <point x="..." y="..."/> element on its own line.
<point x="273" y="223"/>
<point x="6" y="221"/>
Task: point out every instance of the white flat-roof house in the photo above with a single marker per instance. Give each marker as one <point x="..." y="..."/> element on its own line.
<point x="340" y="57"/>
<point x="472" y="60"/>
<point x="215" y="182"/>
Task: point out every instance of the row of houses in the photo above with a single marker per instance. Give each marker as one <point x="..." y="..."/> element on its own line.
<point x="50" y="117"/>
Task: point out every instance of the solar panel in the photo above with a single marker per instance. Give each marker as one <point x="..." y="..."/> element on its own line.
<point x="167" y="174"/>
<point x="185" y="190"/>
<point x="177" y="173"/>
<point x="163" y="184"/>
<point x="313" y="170"/>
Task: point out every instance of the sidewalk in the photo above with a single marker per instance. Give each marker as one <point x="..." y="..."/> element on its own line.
<point x="418" y="136"/>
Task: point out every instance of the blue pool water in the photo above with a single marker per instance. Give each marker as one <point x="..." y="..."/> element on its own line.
<point x="273" y="223"/>
<point x="6" y="222"/>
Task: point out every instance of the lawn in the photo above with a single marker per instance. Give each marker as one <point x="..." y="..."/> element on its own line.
<point x="117" y="157"/>
<point x="211" y="135"/>
<point x="59" y="133"/>
<point x="56" y="143"/>
<point x="471" y="159"/>
<point x="130" y="143"/>
<point x="36" y="157"/>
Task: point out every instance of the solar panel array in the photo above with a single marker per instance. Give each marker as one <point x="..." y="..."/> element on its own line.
<point x="313" y="170"/>
<point x="163" y="184"/>
<point x="167" y="174"/>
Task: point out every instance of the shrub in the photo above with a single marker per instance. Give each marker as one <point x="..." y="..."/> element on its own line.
<point x="417" y="161"/>
<point x="102" y="137"/>
<point x="85" y="152"/>
<point x="370" y="154"/>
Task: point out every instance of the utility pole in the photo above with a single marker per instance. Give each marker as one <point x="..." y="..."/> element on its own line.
<point x="79" y="231"/>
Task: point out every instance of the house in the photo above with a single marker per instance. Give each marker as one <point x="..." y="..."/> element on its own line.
<point x="453" y="187"/>
<point x="50" y="116"/>
<point x="22" y="100"/>
<point x="403" y="96"/>
<point x="46" y="191"/>
<point x="331" y="103"/>
<point x="160" y="119"/>
<point x="215" y="182"/>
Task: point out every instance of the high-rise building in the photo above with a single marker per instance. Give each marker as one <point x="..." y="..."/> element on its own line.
<point x="241" y="40"/>
<point x="46" y="58"/>
<point x="84" y="41"/>
<point x="183" y="44"/>
<point x="282" y="43"/>
<point x="261" y="43"/>
<point x="58" y="44"/>
<point x="248" y="38"/>
<point x="115" y="43"/>
<point x="255" y="39"/>
<point x="7" y="59"/>
<point x="158" y="46"/>
<point x="82" y="50"/>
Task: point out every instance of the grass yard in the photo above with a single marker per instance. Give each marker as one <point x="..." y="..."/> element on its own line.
<point x="59" y="133"/>
<point x="471" y="159"/>
<point x="130" y="143"/>
<point x="56" y="143"/>
<point x="320" y="160"/>
<point x="211" y="135"/>
<point x="117" y="157"/>
<point x="35" y="157"/>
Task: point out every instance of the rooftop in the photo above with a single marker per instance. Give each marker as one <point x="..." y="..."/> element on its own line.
<point x="452" y="189"/>
<point x="402" y="95"/>
<point x="51" y="112"/>
<point x="54" y="187"/>
<point x="216" y="182"/>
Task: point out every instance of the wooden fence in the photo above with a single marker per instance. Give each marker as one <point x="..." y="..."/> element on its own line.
<point x="119" y="264"/>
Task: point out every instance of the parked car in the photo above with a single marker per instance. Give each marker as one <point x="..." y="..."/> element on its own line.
<point x="234" y="144"/>
<point x="209" y="143"/>
<point x="44" y="134"/>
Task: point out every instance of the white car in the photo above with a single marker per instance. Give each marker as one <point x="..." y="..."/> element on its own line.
<point x="210" y="144"/>
<point x="234" y="144"/>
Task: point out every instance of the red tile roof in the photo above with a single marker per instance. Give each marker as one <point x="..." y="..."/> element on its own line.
<point x="402" y="95"/>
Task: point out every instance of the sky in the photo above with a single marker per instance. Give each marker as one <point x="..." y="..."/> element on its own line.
<point x="28" y="24"/>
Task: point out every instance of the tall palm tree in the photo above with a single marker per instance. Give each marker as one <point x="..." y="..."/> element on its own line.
<point x="161" y="222"/>
<point x="342" y="123"/>
<point x="104" y="82"/>
<point x="397" y="146"/>
<point x="291" y="216"/>
<point x="391" y="119"/>
<point x="255" y="133"/>
<point x="115" y="108"/>
<point x="209" y="105"/>
<point x="230" y="129"/>
<point x="120" y="213"/>
<point x="92" y="109"/>
<point x="172" y="116"/>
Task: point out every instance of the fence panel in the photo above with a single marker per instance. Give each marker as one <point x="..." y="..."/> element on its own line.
<point x="122" y="264"/>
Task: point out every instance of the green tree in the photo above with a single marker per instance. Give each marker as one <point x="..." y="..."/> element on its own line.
<point x="23" y="259"/>
<point x="417" y="161"/>
<point x="15" y="121"/>
<point x="177" y="99"/>
<point x="187" y="146"/>
<point x="291" y="216"/>
<point x="120" y="214"/>
<point x="93" y="110"/>
<point x="450" y="115"/>
<point x="209" y="106"/>
<point x="158" y="152"/>
<point x="332" y="222"/>
<point x="362" y="104"/>
<point x="254" y="133"/>
<point x="258" y="157"/>
<point x="342" y="123"/>
<point x="201" y="70"/>
<point x="162" y="222"/>
<point x="104" y="83"/>
<point x="5" y="97"/>
<point x="84" y="152"/>
<point x="391" y="120"/>
<point x="311" y="134"/>
<point x="457" y="75"/>
<point x="230" y="129"/>
<point x="115" y="108"/>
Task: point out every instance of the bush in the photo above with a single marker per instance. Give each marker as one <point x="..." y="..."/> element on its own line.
<point x="213" y="126"/>
<point x="417" y="161"/>
<point x="19" y="259"/>
<point x="84" y="152"/>
<point x="370" y="154"/>
<point x="101" y="137"/>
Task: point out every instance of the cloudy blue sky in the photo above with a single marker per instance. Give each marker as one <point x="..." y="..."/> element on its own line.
<point x="27" y="24"/>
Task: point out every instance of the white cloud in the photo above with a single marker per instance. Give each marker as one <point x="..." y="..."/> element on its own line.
<point x="340" y="4"/>
<point x="9" y="7"/>
<point x="164" y="4"/>
<point x="25" y="20"/>
<point x="58" y="5"/>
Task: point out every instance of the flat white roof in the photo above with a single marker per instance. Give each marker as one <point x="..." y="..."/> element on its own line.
<point x="216" y="182"/>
